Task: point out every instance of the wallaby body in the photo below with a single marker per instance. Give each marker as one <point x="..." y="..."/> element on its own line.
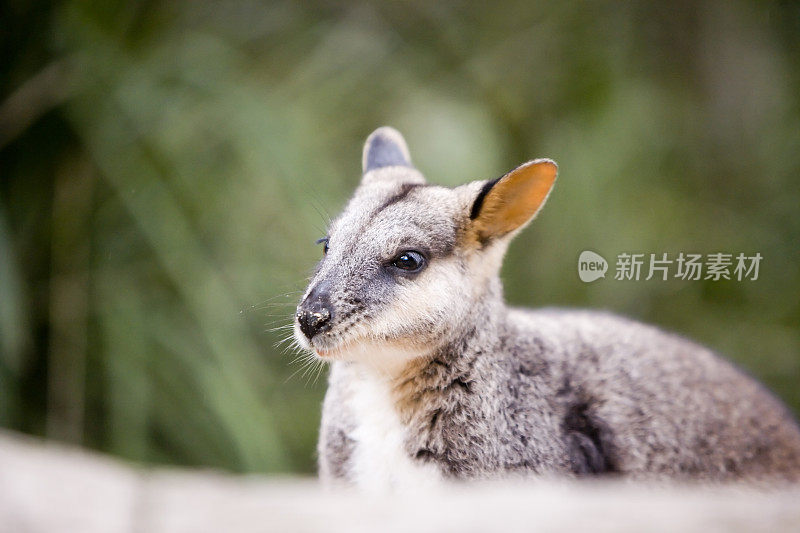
<point x="433" y="377"/>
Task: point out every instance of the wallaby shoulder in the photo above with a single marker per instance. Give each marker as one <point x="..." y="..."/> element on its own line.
<point x="663" y="403"/>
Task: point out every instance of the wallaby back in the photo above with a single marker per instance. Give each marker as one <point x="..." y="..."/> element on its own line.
<point x="434" y="377"/>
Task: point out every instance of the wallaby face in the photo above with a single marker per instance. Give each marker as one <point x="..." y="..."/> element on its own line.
<point x="406" y="261"/>
<point x="433" y="377"/>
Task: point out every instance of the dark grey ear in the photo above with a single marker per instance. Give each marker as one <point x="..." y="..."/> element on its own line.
<point x="385" y="147"/>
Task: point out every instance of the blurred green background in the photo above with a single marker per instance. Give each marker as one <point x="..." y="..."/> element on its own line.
<point x="165" y="168"/>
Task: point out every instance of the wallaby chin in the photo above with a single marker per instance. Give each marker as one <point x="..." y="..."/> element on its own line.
<point x="433" y="377"/>
<point x="386" y="359"/>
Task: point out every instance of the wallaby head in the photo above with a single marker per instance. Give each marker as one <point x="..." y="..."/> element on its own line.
<point x="407" y="263"/>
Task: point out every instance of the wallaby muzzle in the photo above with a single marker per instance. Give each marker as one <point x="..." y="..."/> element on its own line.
<point x="315" y="312"/>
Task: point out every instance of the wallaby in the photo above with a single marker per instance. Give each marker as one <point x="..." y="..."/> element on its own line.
<point x="433" y="377"/>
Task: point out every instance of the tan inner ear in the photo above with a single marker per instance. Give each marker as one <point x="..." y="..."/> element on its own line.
<point x="515" y="199"/>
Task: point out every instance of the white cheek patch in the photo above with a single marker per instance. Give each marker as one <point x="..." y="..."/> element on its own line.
<point x="437" y="296"/>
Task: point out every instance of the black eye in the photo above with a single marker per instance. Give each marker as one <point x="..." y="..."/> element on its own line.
<point x="324" y="242"/>
<point x="409" y="261"/>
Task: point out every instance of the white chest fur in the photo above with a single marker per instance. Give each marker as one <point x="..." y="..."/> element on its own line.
<point x="379" y="460"/>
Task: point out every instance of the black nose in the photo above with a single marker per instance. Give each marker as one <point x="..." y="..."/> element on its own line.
<point x="315" y="312"/>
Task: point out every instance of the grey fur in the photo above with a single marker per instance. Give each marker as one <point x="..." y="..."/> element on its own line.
<point x="501" y="391"/>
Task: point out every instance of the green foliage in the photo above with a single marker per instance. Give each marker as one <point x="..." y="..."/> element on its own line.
<point x="166" y="167"/>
